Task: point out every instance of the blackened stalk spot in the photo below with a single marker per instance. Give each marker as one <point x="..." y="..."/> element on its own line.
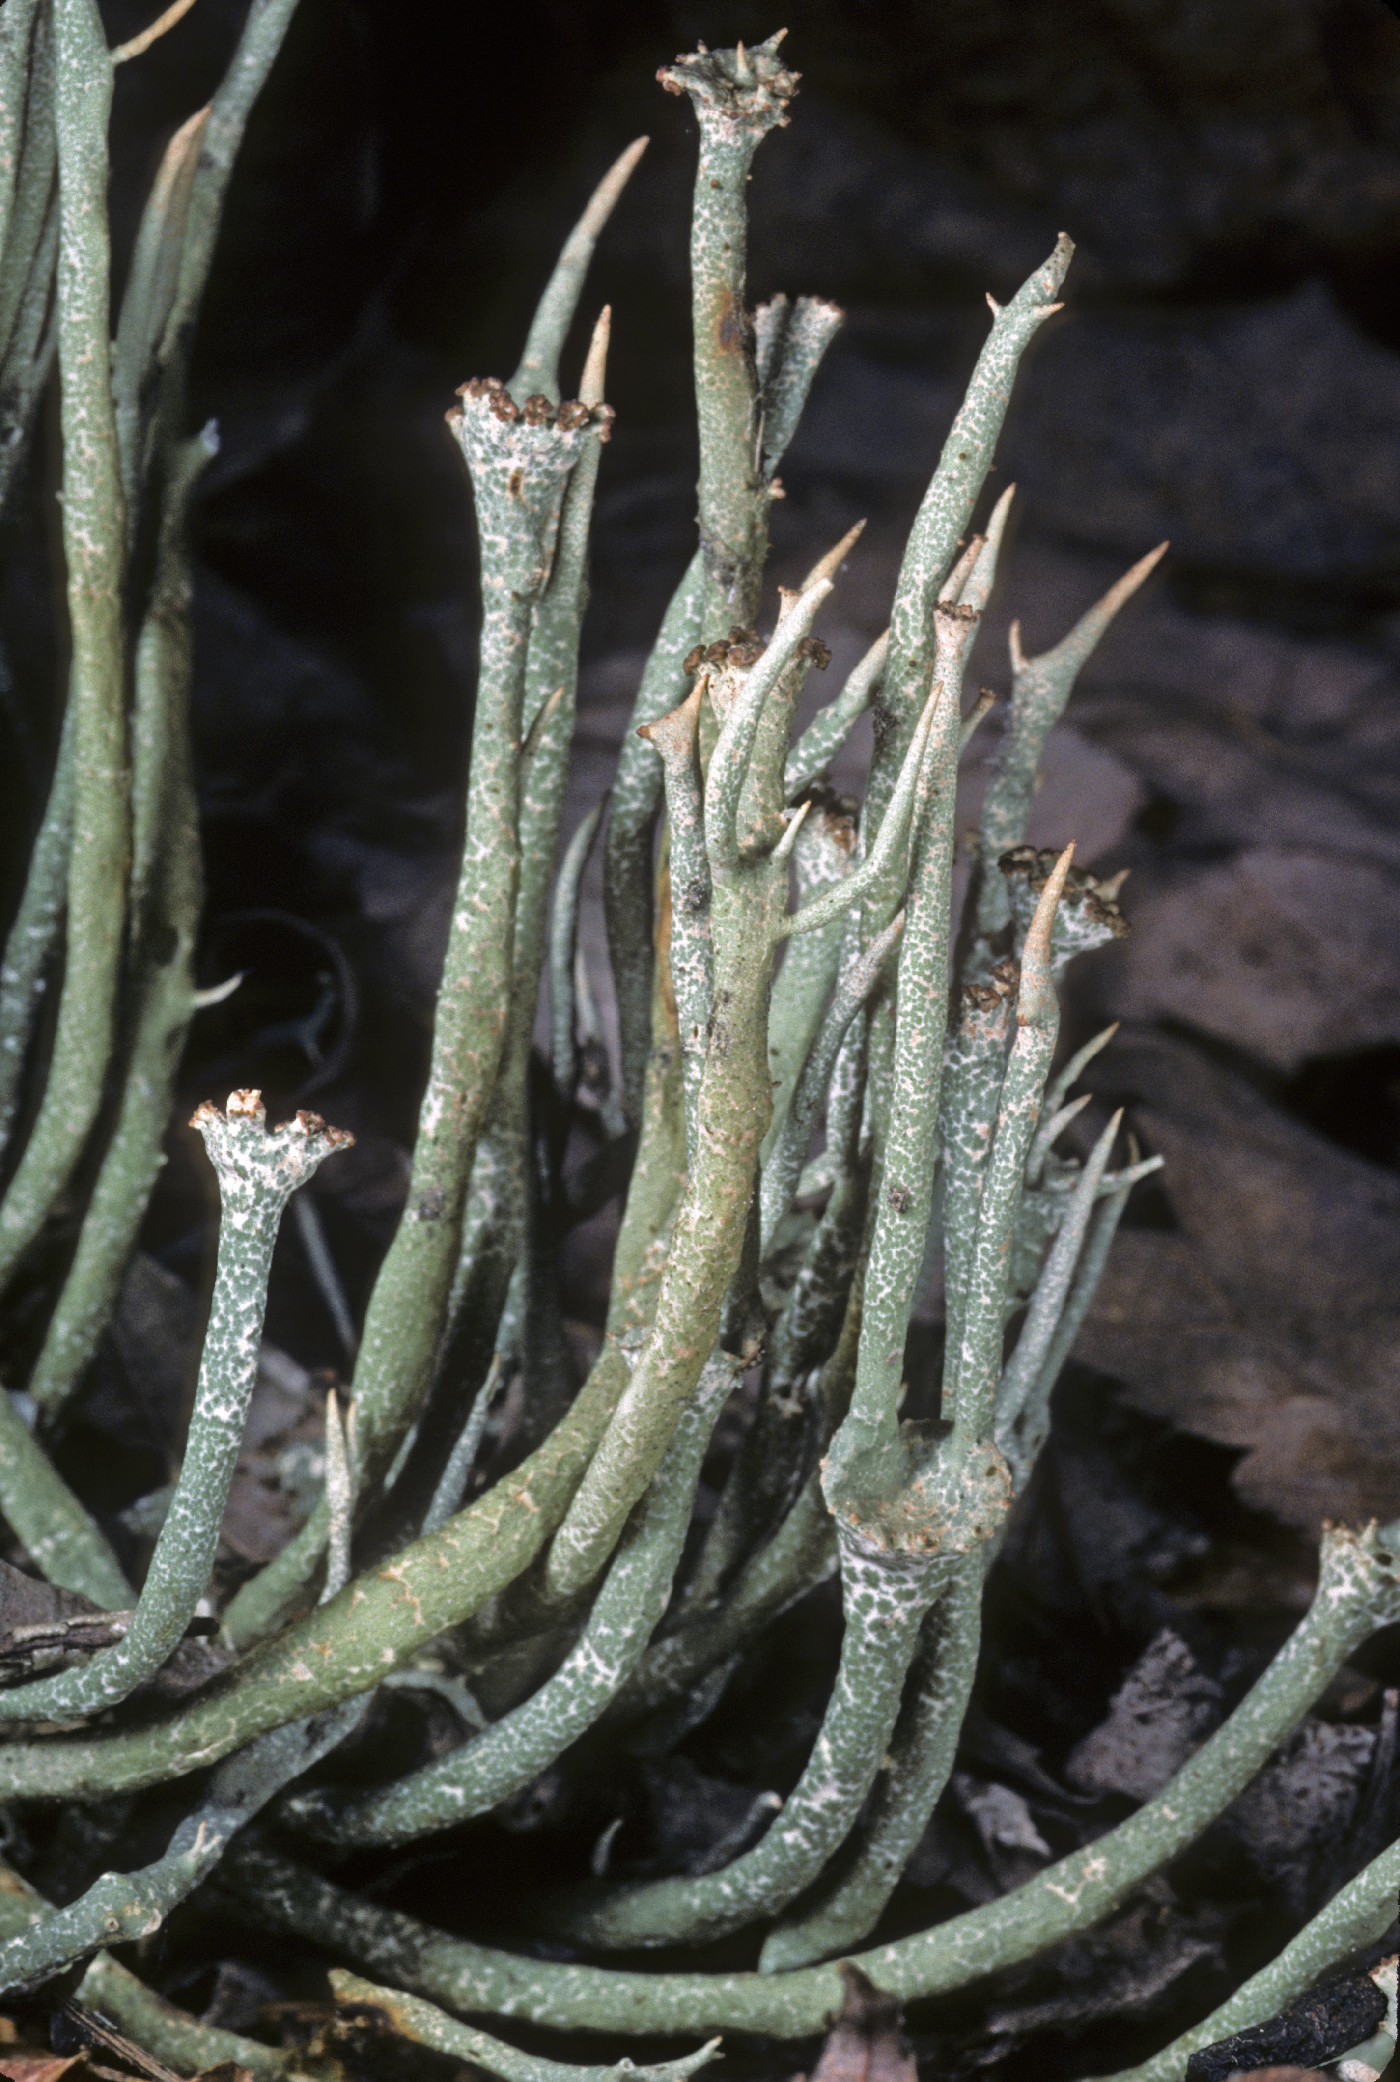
<point x="729" y="327"/>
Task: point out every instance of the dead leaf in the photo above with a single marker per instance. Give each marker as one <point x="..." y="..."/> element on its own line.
<point x="1116" y="1970"/>
<point x="42" y="1626"/>
<point x="1286" y="954"/>
<point x="1164" y="1709"/>
<point x="866" y="2041"/>
<point x="1298" y="1813"/>
<point x="25" y="2064"/>
<point x="1271" y="1319"/>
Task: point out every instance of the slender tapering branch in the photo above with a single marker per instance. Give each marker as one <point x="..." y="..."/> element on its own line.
<point x="800" y="341"/>
<point x="905" y="1181"/>
<point x="627" y="852"/>
<point x="151" y="288"/>
<point x="885" y="1599"/>
<point x="57" y="1532"/>
<point x="94" y="548"/>
<point x="563" y="941"/>
<point x="1047" y="1307"/>
<point x="34" y="935"/>
<point x="1356" y="1917"/>
<point x="829" y="729"/>
<point x="730" y="761"/>
<point x="30" y="244"/>
<point x="786" y="1159"/>
<point x="823" y="853"/>
<point x="126" y="1905"/>
<point x="947" y="508"/>
<point x="1040" y="687"/>
<point x="554" y="314"/>
<point x="885" y="863"/>
<point x="973" y="1371"/>
<point x="166" y="896"/>
<point x="16" y="36"/>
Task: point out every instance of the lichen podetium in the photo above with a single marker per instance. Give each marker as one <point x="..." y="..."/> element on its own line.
<point x="789" y="976"/>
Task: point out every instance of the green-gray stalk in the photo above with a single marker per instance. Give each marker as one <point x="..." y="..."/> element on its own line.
<point x="973" y="1073"/>
<point x="121" y="1907"/>
<point x="905" y="1183"/>
<point x="457" y="1472"/>
<point x="498" y="1209"/>
<point x="885" y="866"/>
<point x="800" y="339"/>
<point x="340" y="1497"/>
<point x="52" y="1526"/>
<point x="732" y="1114"/>
<point x="676" y="739"/>
<point x="1047" y="1308"/>
<point x="518" y="473"/>
<point x="258" y="1172"/>
<point x="738" y="98"/>
<point x="171" y="2034"/>
<point x="29" y="156"/>
<point x="943" y="517"/>
<point x="538" y="374"/>
<point x="974" y="584"/>
<point x="34" y="934"/>
<point x="16" y="33"/>
<point x="800" y="1555"/>
<point x="1355" y="1918"/>
<point x="1052" y="1127"/>
<point x="792" y="1423"/>
<point x="30" y="243"/>
<point x="1040" y="687"/>
<point x="166" y="896"/>
<point x="831" y="726"/>
<point x="1357" y="1593"/>
<point x="821" y="856"/>
<point x="1035" y="1423"/>
<point x="742" y="760"/>
<point x="151" y="287"/>
<point x="627" y="849"/>
<point x="628" y="1608"/>
<point x="428" y="2026"/>
<point x="785" y="1163"/>
<point x="33" y="344"/>
<point x="885" y="1598"/>
<point x="973" y="1371"/>
<point x="811" y="1316"/>
<point x="264" y="28"/>
<point x="93" y="542"/>
<point x="340" y="1649"/>
<point x="920" y="1763"/>
<point x="1074" y="1069"/>
<point x="707" y="1639"/>
<point x="563" y="941"/>
<point x="658" y="1176"/>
